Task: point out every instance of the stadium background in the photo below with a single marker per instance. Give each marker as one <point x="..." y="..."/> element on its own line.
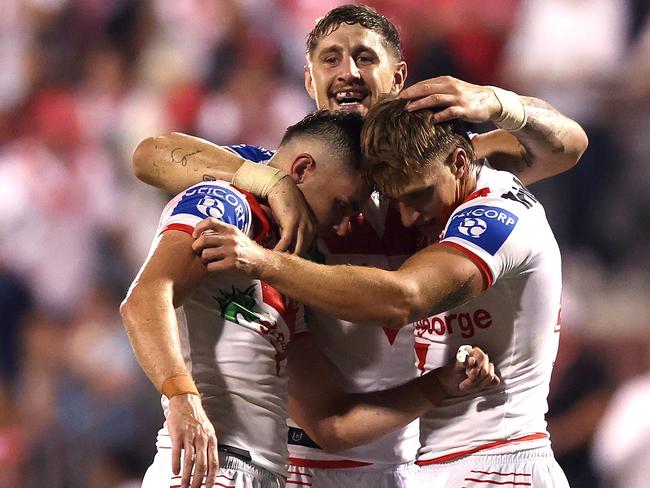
<point x="83" y="81"/>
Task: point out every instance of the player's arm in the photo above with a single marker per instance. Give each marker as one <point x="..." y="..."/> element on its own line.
<point x="336" y="420"/>
<point x="177" y="161"/>
<point x="545" y="142"/>
<point x="434" y="280"/>
<point x="169" y="273"/>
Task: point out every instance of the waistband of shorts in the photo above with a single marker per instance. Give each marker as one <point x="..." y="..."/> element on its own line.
<point x="533" y="454"/>
<point x="362" y="467"/>
<point x="502" y="446"/>
<point x="268" y="479"/>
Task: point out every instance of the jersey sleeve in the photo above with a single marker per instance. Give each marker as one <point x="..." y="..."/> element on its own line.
<point x="493" y="232"/>
<point x="208" y="199"/>
<point x="257" y="154"/>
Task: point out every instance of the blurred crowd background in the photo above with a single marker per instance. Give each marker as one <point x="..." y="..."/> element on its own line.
<point x="82" y="81"/>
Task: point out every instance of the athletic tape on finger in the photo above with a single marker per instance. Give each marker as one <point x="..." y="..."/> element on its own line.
<point x="462" y="353"/>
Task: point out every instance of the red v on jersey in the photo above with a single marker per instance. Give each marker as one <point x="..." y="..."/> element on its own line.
<point x="391" y="334"/>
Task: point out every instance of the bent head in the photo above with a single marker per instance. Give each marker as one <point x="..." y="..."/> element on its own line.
<point x="424" y="166"/>
<point x="322" y="154"/>
<point x="354" y="57"/>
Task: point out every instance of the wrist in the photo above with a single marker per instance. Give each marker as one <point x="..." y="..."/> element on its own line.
<point x="257" y="179"/>
<point x="181" y="384"/>
<point x="512" y="116"/>
<point x="267" y="265"/>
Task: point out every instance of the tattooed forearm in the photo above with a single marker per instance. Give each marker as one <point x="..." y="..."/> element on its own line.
<point x="545" y="125"/>
<point x="179" y="156"/>
<point x="548" y="144"/>
<point x="456" y="297"/>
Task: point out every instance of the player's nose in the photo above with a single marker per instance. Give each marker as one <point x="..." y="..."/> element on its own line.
<point x="408" y="214"/>
<point x="343" y="227"/>
<point x="349" y="69"/>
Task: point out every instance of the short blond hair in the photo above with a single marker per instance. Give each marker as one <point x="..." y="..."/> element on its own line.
<point x="399" y="145"/>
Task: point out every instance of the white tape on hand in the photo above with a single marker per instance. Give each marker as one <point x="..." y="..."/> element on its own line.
<point x="513" y="115"/>
<point x="463" y="352"/>
<point x="257" y="178"/>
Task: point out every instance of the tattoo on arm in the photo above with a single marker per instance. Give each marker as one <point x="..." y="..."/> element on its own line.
<point x="516" y="164"/>
<point x="545" y="122"/>
<point x="209" y="178"/>
<point x="178" y="156"/>
<point x="455" y="298"/>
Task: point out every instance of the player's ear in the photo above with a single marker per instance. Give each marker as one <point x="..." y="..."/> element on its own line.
<point x="309" y="82"/>
<point x="399" y="77"/>
<point x="459" y="162"/>
<point x="303" y="165"/>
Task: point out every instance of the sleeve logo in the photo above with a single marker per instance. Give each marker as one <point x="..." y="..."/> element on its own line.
<point x="215" y="200"/>
<point x="484" y="226"/>
<point x="472" y="227"/>
<point x="211" y="207"/>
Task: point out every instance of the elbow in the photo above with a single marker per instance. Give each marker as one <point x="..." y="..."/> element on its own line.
<point x="397" y="317"/>
<point x="331" y="436"/>
<point x="578" y="146"/>
<point x="142" y="159"/>
<point x="404" y="309"/>
<point x="582" y="141"/>
<point x="131" y="305"/>
<point x="127" y="310"/>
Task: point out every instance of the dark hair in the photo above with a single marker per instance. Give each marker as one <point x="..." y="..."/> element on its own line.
<point x="363" y="15"/>
<point x="340" y="129"/>
<point x="399" y="145"/>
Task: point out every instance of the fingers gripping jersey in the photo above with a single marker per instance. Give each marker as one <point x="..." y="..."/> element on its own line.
<point x="234" y="335"/>
<point x="503" y="229"/>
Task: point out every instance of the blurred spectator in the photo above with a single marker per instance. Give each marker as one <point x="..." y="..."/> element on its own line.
<point x="56" y="194"/>
<point x="620" y="446"/>
<point x="459" y="38"/>
<point x="96" y="411"/>
<point x="565" y="51"/>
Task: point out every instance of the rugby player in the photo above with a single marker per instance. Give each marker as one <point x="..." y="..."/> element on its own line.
<point x="235" y="335"/>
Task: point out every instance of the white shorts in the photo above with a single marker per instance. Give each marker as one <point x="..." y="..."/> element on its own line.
<point x="373" y="476"/>
<point x="534" y="468"/>
<point x="233" y="473"/>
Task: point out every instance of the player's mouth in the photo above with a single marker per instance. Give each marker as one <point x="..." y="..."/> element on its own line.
<point x="352" y="99"/>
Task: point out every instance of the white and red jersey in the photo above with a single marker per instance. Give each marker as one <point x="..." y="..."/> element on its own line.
<point x="370" y="358"/>
<point x="234" y="335"/>
<point x="504" y="230"/>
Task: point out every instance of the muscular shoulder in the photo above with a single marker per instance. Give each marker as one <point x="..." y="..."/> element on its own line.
<point x="501" y="224"/>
